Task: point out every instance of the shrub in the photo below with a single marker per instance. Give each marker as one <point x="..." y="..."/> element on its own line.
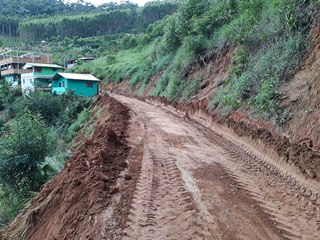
<point x="162" y="63"/>
<point x="48" y="105"/>
<point x="129" y="41"/>
<point x="172" y="37"/>
<point x="23" y="150"/>
<point x="172" y="88"/>
<point x="189" y="87"/>
<point x="196" y="45"/>
<point x="162" y="83"/>
<point x="110" y="59"/>
<point x="8" y="95"/>
<point x="143" y="39"/>
<point x="54" y="164"/>
<point x="76" y="126"/>
<point x="10" y="205"/>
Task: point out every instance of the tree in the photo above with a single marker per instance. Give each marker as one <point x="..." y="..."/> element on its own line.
<point x="22" y="152"/>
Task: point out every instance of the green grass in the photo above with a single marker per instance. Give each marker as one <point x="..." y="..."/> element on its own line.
<point x="74" y="128"/>
<point x="255" y="86"/>
<point x="130" y="64"/>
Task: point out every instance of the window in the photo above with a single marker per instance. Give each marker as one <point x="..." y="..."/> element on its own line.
<point x="59" y="84"/>
<point x="38" y="69"/>
<point x="89" y="84"/>
<point x="63" y="84"/>
<point x="23" y="81"/>
<point x="54" y="69"/>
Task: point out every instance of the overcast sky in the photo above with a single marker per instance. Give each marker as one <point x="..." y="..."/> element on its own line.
<point x="99" y="2"/>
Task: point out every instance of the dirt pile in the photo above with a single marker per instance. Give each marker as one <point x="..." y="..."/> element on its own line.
<point x="76" y="203"/>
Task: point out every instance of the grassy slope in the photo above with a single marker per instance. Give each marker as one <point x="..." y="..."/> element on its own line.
<point x="271" y="38"/>
<point x="115" y="68"/>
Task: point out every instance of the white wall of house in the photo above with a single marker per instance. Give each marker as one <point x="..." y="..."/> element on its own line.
<point x="27" y="83"/>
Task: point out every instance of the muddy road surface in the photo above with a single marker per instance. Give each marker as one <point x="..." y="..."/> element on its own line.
<point x="196" y="183"/>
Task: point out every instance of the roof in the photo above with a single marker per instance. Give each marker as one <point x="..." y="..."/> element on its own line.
<point x="88" y="58"/>
<point x="28" y="65"/>
<point x="76" y="76"/>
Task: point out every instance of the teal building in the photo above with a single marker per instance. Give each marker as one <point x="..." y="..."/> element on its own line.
<point x="81" y="84"/>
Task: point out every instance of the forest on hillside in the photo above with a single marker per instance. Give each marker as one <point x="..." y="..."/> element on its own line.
<point x="33" y="21"/>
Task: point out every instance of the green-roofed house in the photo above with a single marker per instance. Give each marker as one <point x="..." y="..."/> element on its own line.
<point x="37" y="76"/>
<point x="80" y="84"/>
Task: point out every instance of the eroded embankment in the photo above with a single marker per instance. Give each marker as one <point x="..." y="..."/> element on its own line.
<point x="77" y="203"/>
<point x="301" y="155"/>
<point x="238" y="189"/>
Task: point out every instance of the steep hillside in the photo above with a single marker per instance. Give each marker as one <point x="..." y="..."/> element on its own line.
<point x="251" y="61"/>
<point x="226" y="87"/>
<point x="75" y="204"/>
<point x="303" y="97"/>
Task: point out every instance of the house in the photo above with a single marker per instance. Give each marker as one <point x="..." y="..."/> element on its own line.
<point x="11" y="63"/>
<point x="37" y="76"/>
<point x="81" y="84"/>
<point x="88" y="58"/>
<point x="72" y="62"/>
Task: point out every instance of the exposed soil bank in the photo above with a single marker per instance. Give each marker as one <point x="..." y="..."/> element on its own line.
<point x="204" y="182"/>
<point x="76" y="203"/>
<point x="297" y="141"/>
<point x="301" y="155"/>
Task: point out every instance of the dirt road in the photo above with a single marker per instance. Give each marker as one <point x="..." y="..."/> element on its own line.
<point x="196" y="183"/>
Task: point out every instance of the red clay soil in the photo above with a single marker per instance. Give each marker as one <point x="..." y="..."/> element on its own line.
<point x="74" y="204"/>
<point x="303" y="96"/>
<point x="299" y="154"/>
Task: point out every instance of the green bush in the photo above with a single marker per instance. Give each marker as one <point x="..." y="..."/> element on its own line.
<point x="162" y="63"/>
<point x="54" y="164"/>
<point x="196" y="45"/>
<point x="10" y="205"/>
<point x="172" y="89"/>
<point x="189" y="88"/>
<point x="110" y="59"/>
<point x="74" y="128"/>
<point x="48" y="105"/>
<point x="23" y="150"/>
<point x="129" y="41"/>
<point x="172" y="38"/>
<point x="162" y="83"/>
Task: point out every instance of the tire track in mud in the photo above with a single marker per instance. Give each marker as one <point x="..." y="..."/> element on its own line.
<point x="162" y="207"/>
<point x="293" y="205"/>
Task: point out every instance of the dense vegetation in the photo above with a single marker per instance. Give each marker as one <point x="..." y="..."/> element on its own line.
<point x="13" y="12"/>
<point x="35" y="134"/>
<point x="270" y="38"/>
<point x="32" y="21"/>
<point x="48" y="7"/>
